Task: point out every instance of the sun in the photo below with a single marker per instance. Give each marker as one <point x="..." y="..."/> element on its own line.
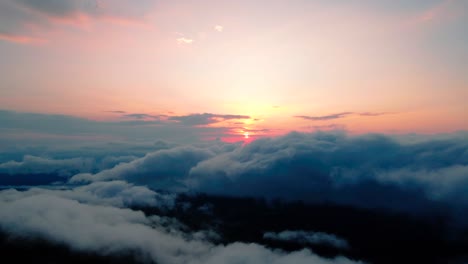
<point x="246" y="135"/>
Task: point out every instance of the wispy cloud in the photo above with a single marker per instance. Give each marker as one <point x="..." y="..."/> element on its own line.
<point x="205" y="118"/>
<point x="340" y="115"/>
<point x="22" y="39"/>
<point x="325" y="117"/>
<point x="444" y="10"/>
<point x="184" y="40"/>
<point x="143" y="116"/>
<point x="373" y="113"/>
<point x="116" y="112"/>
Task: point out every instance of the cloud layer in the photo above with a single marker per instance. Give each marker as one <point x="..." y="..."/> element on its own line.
<point x="368" y="171"/>
<point x="92" y="212"/>
<point x="39" y="128"/>
<point x="91" y="226"/>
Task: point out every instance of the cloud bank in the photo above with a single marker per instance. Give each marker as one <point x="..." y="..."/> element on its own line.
<point x="371" y="171"/>
<point x="131" y="127"/>
<point x="95" y="211"/>
<point x="37" y="165"/>
<point x="89" y="226"/>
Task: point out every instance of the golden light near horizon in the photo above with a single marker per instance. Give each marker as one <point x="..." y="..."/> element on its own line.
<point x="246" y="134"/>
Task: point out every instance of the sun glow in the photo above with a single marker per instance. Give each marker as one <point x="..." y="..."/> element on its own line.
<point x="246" y="135"/>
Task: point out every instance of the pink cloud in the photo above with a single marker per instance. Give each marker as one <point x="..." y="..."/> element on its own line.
<point x="444" y="10"/>
<point x="22" y="39"/>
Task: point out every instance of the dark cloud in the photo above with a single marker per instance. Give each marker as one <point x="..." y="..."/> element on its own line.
<point x="62" y="7"/>
<point x="57" y="129"/>
<point x="308" y="237"/>
<point x="326" y="117"/>
<point x="12" y="18"/>
<point x="112" y="193"/>
<point x="92" y="8"/>
<point x="32" y="170"/>
<point x="162" y="169"/>
<point x="205" y="118"/>
<point x="369" y="171"/>
<point x="40" y="165"/>
<point x="15" y="14"/>
<point x="340" y="115"/>
<point x="257" y="130"/>
<point x="143" y="116"/>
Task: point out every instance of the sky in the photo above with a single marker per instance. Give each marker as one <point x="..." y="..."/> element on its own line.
<point x="234" y="70"/>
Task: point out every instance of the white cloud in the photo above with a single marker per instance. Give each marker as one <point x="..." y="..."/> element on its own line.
<point x="109" y="230"/>
<point x="163" y="168"/>
<point x="112" y="193"/>
<point x="184" y="40"/>
<point x="34" y="165"/>
<point x="219" y="28"/>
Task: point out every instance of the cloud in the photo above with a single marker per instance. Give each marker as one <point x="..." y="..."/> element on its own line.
<point x="330" y="166"/>
<point x="22" y="39"/>
<point x="113" y="193"/>
<point x="329" y="127"/>
<point x="205" y="118"/>
<point x="93" y="8"/>
<point x="107" y="230"/>
<point x="341" y="115"/>
<point x="39" y="165"/>
<point x="305" y="237"/>
<point x="143" y="116"/>
<point x="61" y="8"/>
<point x="49" y="129"/>
<point x="16" y="15"/>
<point x="373" y="113"/>
<point x="110" y="161"/>
<point x="368" y="171"/>
<point x="162" y="169"/>
<point x="122" y="194"/>
<point x="398" y="173"/>
<point x="219" y="28"/>
<point x="184" y="40"/>
<point x="56" y="165"/>
<point x="326" y="117"/>
<point x="444" y="10"/>
<point x="117" y="112"/>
